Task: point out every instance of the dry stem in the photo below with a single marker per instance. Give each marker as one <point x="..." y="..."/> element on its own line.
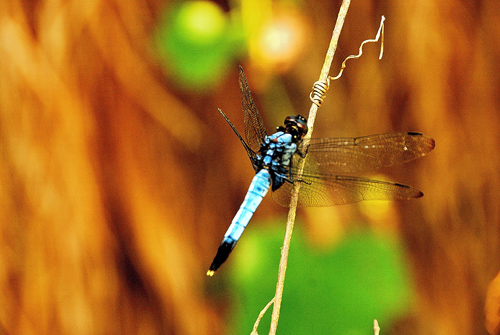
<point x="376" y="327"/>
<point x="261" y="315"/>
<point x="293" y="204"/>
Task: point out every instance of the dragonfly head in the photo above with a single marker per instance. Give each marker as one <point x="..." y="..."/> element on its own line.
<point x="296" y="126"/>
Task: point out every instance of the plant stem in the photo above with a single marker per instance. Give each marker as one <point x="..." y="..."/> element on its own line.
<point x="293" y="203"/>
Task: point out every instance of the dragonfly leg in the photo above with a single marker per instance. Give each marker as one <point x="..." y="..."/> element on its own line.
<point x="302" y="154"/>
<point x="293" y="181"/>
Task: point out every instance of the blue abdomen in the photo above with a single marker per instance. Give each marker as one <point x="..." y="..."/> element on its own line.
<point x="256" y="192"/>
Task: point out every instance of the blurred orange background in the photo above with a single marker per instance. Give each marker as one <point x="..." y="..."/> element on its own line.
<point x="117" y="185"/>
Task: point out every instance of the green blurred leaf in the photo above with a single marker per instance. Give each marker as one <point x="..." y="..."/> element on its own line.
<point x="197" y="44"/>
<point x="339" y="291"/>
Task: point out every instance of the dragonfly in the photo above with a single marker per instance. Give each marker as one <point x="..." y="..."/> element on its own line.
<point x="320" y="164"/>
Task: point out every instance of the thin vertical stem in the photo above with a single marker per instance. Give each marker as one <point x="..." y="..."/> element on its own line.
<point x="293" y="203"/>
<point x="261" y="315"/>
<point x="376" y="327"/>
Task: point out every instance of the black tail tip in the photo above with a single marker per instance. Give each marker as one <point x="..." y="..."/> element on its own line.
<point x="222" y="254"/>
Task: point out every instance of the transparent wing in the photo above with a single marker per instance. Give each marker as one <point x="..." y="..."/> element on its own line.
<point x="346" y="155"/>
<point x="255" y="132"/>
<point x="325" y="157"/>
<point x="330" y="190"/>
<point x="251" y="154"/>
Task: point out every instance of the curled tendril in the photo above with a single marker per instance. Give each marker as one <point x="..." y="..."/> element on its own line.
<point x="320" y="87"/>
<point x="379" y="36"/>
<point x="318" y="91"/>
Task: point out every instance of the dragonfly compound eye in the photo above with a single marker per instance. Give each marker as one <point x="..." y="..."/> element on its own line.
<point x="302" y="125"/>
<point x="296" y="125"/>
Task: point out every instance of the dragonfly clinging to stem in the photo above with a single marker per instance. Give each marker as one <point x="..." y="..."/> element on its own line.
<point x="276" y="158"/>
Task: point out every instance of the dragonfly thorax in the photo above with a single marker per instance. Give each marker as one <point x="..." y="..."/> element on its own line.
<point x="275" y="155"/>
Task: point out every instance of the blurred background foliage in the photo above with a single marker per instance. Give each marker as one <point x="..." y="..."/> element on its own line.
<point x="332" y="290"/>
<point x="119" y="177"/>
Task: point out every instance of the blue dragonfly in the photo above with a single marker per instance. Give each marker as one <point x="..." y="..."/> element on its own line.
<point x="276" y="159"/>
